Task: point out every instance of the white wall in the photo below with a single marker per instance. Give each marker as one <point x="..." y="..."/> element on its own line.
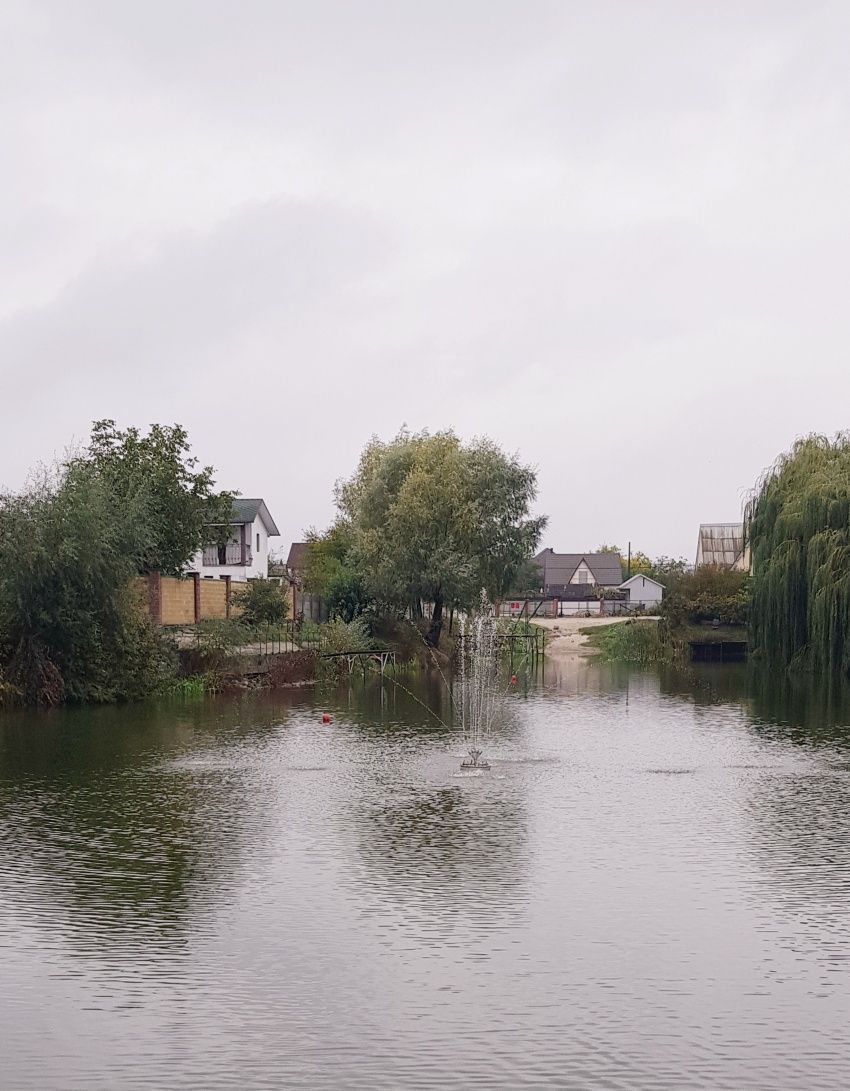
<point x="588" y="579"/>
<point x="239" y="573"/>
<point x="645" y="591"/>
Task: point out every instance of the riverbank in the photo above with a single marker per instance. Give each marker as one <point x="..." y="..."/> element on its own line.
<point x="568" y="638"/>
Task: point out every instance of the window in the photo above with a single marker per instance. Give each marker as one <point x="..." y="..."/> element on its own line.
<point x="258" y="541"/>
<point x="583" y="575"/>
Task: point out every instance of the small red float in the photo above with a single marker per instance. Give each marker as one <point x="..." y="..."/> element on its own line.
<point x="326" y="719"/>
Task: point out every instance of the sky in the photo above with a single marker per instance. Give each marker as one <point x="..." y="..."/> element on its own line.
<point x="613" y="237"/>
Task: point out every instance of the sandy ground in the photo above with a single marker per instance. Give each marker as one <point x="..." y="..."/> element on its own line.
<point x="564" y="639"/>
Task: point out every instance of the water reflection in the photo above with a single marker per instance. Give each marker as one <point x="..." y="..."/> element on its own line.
<point x="107" y="823"/>
<point x="649" y="891"/>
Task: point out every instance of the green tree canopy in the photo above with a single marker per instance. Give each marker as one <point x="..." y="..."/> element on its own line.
<point x="174" y="496"/>
<point x="640" y="562"/>
<point x="71" y="627"/>
<point x="797" y="526"/>
<point x="435" y="520"/>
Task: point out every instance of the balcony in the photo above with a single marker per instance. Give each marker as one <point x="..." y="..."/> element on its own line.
<point x="230" y="554"/>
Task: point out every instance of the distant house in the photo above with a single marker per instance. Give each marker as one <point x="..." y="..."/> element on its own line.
<point x="297" y="558"/>
<point x="245" y="554"/>
<point x="722" y="544"/>
<point x="308" y="606"/>
<point x="570" y="575"/>
<point x="643" y="590"/>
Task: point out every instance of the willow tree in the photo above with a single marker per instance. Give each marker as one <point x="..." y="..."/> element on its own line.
<point x="435" y="520"/>
<point x="798" y="532"/>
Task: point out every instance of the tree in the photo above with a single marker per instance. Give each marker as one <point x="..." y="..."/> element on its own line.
<point x="669" y="571"/>
<point x="157" y="474"/>
<point x="71" y="623"/>
<point x="260" y="602"/>
<point x="527" y="579"/>
<point x="434" y="520"/>
<point x="639" y="562"/>
<point x="797" y="527"/>
<point x="331" y="572"/>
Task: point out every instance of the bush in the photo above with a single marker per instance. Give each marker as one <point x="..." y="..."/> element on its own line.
<point x="706" y="595"/>
<point x="260" y="602"/>
<point x="628" y="641"/>
<point x="71" y="624"/>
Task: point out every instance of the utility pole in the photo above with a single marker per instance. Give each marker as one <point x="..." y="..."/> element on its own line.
<point x="629" y="575"/>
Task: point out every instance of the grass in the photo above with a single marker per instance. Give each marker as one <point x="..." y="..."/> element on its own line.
<point x="195" y="686"/>
<point x="626" y="642"/>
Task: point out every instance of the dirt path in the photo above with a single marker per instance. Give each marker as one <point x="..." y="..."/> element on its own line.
<point x="564" y="639"/>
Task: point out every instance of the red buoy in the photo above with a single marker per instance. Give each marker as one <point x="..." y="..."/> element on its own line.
<point x="326" y="719"/>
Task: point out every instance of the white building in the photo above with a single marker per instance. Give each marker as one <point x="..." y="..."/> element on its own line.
<point x="643" y="591"/>
<point x="245" y="556"/>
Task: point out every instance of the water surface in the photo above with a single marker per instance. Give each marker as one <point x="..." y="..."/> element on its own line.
<point x="651" y="889"/>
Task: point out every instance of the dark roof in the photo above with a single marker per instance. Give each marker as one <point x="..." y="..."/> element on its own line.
<point x="558" y="568"/>
<point x="297" y="556"/>
<point x="246" y="511"/>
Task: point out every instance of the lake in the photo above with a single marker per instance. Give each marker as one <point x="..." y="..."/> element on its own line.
<point x="650" y="889"/>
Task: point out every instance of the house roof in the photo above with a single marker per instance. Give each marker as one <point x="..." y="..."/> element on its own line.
<point x="246" y="510"/>
<point x="558" y="568"/>
<point x="720" y="543"/>
<point x="641" y="575"/>
<point x="297" y="556"/>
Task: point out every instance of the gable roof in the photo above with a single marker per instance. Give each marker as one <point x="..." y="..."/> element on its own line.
<point x="297" y="556"/>
<point x="720" y="543"/>
<point x="557" y="569"/>
<point x="246" y="511"/>
<point x="639" y="575"/>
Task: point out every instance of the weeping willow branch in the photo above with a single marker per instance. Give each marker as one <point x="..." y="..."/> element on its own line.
<point x="797" y="524"/>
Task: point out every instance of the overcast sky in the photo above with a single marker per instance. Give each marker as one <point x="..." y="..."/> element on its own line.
<point x="611" y="236"/>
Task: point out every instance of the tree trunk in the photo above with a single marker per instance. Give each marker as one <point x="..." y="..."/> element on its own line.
<point x="433" y="637"/>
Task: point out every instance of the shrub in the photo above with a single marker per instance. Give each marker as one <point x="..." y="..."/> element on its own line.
<point x="709" y="594"/>
<point x="260" y="602"/>
<point x="628" y="642"/>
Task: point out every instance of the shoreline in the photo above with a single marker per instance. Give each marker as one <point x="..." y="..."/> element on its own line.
<point x="565" y="641"/>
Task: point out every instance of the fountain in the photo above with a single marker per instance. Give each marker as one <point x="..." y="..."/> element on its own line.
<point x="479" y="649"/>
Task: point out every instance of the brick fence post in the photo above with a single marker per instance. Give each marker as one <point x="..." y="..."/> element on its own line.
<point x="155" y="597"/>
<point x="196" y="591"/>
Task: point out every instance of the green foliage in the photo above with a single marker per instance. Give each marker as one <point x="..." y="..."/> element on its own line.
<point x="669" y="571"/>
<point x="260" y="602"/>
<point x="797" y="526"/>
<point x="640" y="562"/>
<point x="331" y="571"/>
<point x="172" y="496"/>
<point x="708" y="594"/>
<point x="193" y="687"/>
<point x="342" y="636"/>
<point x="217" y="642"/>
<point x="72" y="627"/>
<point x="434" y="520"/>
<point x="628" y="642"/>
<point x="527" y="579"/>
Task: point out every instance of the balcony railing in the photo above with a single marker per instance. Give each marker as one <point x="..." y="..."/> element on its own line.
<point x="231" y="554"/>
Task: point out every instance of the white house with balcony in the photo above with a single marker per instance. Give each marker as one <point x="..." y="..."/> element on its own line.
<point x="245" y="554"/>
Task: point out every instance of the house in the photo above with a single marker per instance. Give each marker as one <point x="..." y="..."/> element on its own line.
<point x="722" y="544"/>
<point x="305" y="605"/>
<point x="568" y="575"/>
<point x="245" y="555"/>
<point x="643" y="590"/>
<point x="296" y="560"/>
